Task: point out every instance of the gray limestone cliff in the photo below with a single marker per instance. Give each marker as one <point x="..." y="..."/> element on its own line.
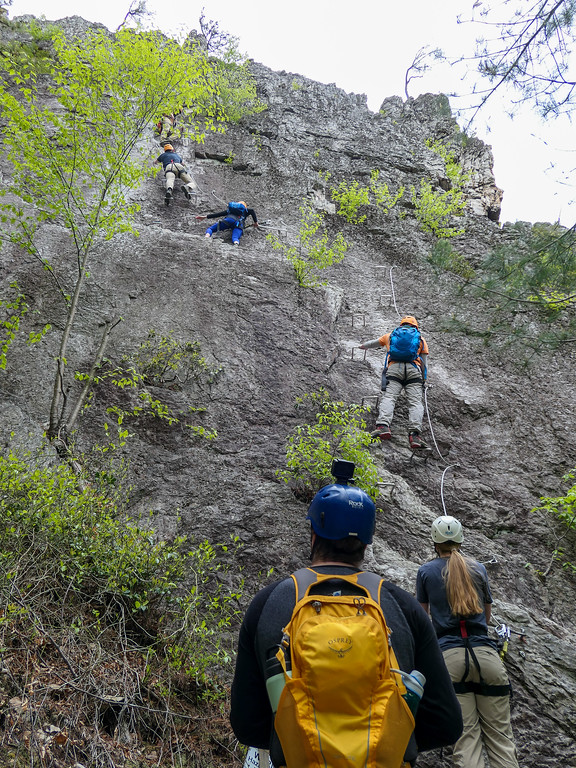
<point x="505" y="436"/>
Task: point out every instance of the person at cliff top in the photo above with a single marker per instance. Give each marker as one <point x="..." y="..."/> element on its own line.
<point x="405" y="368"/>
<point x="454" y="589"/>
<point x="174" y="169"/>
<point x="165" y="125"/>
<point x="342" y="520"/>
<point x="234" y="219"/>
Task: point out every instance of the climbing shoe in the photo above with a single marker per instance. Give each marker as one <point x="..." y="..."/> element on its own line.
<point x="186" y="192"/>
<point x="416" y="442"/>
<point x="168" y="196"/>
<point x="236" y="242"/>
<point x="382" y="432"/>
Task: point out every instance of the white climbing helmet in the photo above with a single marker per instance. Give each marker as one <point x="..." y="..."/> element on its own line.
<point x="447" y="528"/>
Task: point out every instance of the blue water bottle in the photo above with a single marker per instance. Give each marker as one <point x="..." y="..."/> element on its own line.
<point x="414" y="684"/>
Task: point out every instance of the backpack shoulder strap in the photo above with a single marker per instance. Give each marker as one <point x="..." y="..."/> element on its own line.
<point x="372" y="582"/>
<point x="303" y="580"/>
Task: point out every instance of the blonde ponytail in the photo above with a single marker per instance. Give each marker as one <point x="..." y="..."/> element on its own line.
<point x="461" y="590"/>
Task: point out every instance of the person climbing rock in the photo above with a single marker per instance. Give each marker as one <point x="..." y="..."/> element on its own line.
<point x="165" y="125"/>
<point x="405" y="368"/>
<point x="454" y="589"/>
<point x="234" y="219"/>
<point x="174" y="169"/>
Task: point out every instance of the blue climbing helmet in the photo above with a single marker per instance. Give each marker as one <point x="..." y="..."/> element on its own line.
<point x="341" y="510"/>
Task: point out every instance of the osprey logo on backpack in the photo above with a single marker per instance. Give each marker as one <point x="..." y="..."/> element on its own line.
<point x="404" y="344"/>
<point x="342" y="704"/>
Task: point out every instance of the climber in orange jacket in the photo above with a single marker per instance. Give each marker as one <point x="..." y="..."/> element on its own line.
<point x="405" y="368"/>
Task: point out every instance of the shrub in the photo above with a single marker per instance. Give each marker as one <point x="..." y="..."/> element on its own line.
<point x="352" y="196"/>
<point x="334" y="429"/>
<point x="315" y="251"/>
<point x="563" y="508"/>
<point x="160" y="361"/>
<point x="384" y="199"/>
<point x="105" y="617"/>
<point x="444" y="257"/>
<point x="434" y="208"/>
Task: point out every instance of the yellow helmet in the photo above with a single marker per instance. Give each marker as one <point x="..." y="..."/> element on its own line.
<point x="243" y="203"/>
<point x="167" y="147"/>
<point x="409" y="320"/>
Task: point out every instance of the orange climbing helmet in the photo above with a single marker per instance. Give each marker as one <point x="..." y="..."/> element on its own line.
<point x="168" y="147"/>
<point x="243" y="203"/>
<point x="409" y="320"/>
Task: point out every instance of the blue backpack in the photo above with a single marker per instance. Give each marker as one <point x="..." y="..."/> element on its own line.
<point x="238" y="210"/>
<point x="404" y="344"/>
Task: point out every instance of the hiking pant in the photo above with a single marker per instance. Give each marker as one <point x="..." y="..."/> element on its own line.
<point x="228" y="223"/>
<point x="167" y="125"/>
<point x="401" y="376"/>
<point x="178" y="171"/>
<point x="486" y="718"/>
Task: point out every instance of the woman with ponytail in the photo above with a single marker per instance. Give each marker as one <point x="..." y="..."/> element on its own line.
<point x="454" y="590"/>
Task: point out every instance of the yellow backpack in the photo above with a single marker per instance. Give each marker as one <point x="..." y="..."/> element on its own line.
<point x="341" y="706"/>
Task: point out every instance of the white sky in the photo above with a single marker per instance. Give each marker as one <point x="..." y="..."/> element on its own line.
<point x="366" y="47"/>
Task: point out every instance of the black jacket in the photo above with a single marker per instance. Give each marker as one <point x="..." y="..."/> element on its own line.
<point x="439" y="717"/>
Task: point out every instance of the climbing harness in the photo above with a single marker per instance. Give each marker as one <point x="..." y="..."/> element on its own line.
<point x="481" y="688"/>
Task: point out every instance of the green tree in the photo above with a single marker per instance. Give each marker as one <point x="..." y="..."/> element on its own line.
<point x="529" y="280"/>
<point x="531" y="52"/>
<point x="75" y="162"/>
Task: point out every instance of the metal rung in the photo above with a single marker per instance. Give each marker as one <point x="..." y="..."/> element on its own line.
<point x="362" y="315"/>
<point x="385" y="296"/>
<point x="370" y="397"/>
<point x="358" y="358"/>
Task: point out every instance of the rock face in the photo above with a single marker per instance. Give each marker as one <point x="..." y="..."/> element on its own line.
<point x="504" y="437"/>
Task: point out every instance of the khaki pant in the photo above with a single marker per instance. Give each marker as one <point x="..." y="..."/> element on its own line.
<point x="167" y="125"/>
<point x="177" y="170"/>
<point x="410" y="379"/>
<point x="486" y="718"/>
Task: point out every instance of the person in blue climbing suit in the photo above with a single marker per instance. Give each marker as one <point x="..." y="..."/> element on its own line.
<point x="234" y="218"/>
<point x="175" y="169"/>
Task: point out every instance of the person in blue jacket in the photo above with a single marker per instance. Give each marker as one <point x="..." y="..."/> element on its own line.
<point x="234" y="218"/>
<point x="175" y="169"/>
<point x="454" y="590"/>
